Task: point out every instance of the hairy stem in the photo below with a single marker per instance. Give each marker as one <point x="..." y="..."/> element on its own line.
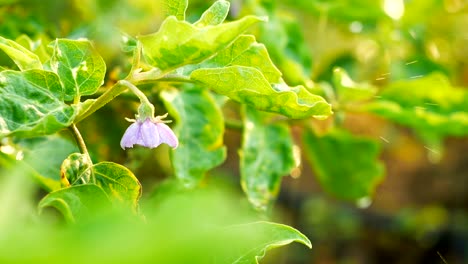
<point x="79" y="140"/>
<point x="136" y="60"/>
<point x="134" y="78"/>
<point x="152" y="77"/>
<point x="81" y="145"/>
<point x="102" y="100"/>
<point x="135" y="90"/>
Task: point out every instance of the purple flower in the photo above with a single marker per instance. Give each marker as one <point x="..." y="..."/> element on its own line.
<point x="149" y="133"/>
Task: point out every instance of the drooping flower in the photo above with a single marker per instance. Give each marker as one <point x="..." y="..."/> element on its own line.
<point x="150" y="133"/>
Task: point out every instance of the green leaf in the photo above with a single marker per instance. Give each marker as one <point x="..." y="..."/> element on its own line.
<point x="127" y="43"/>
<point x="426" y="104"/>
<point x="75" y="168"/>
<point x="24" y="59"/>
<point x="76" y="202"/>
<point x="346" y="165"/>
<point x="214" y="15"/>
<point x="248" y="85"/>
<point x="13" y="166"/>
<point x="45" y="155"/>
<point x="245" y="51"/>
<point x="38" y="47"/>
<point x="265" y="236"/>
<point x="25" y="41"/>
<point x="200" y="129"/>
<point x="17" y="194"/>
<point x="175" y="8"/>
<point x="284" y="39"/>
<point x="83" y="107"/>
<point x="32" y="104"/>
<point x="80" y="69"/>
<point x="46" y="183"/>
<point x="266" y="156"/>
<point x="349" y="91"/>
<point x="179" y="43"/>
<point x="214" y="228"/>
<point x="118" y="183"/>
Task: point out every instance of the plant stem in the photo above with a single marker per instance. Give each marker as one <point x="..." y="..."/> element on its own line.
<point x="176" y="78"/>
<point x="79" y="140"/>
<point x="233" y="124"/>
<point x="138" y="77"/>
<point x="102" y="100"/>
<point x="82" y="146"/>
<point x="136" y="60"/>
<point x="135" y="78"/>
<point x="135" y="90"/>
<point x="76" y="99"/>
<point x="147" y="77"/>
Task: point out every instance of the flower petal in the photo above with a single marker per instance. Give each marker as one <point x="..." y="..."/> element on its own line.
<point x="167" y="136"/>
<point x="149" y="135"/>
<point x="130" y="136"/>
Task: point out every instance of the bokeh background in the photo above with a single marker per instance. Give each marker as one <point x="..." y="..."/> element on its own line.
<point x="418" y="213"/>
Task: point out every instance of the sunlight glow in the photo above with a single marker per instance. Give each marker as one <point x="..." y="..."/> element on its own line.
<point x="394" y="8"/>
<point x="7" y="149"/>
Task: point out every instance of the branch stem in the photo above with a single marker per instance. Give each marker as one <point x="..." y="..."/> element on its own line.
<point x="233" y="124"/>
<point x="102" y="100"/>
<point x="82" y="146"/>
<point x="79" y="140"/>
<point x="135" y="90"/>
